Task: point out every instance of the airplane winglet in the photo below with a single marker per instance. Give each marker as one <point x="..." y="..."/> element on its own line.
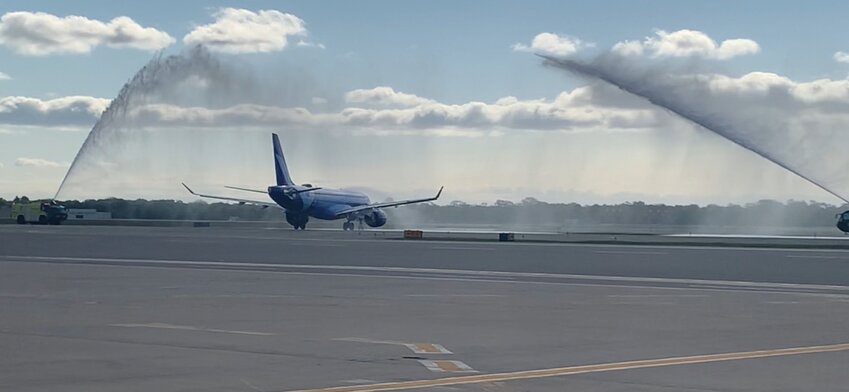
<point x="438" y="193"/>
<point x="188" y="189"/>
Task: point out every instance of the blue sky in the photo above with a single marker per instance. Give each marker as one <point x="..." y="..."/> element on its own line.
<point x="463" y="46"/>
<point x="446" y="51"/>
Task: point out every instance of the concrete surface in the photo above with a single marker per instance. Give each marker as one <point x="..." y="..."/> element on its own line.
<point x="206" y="309"/>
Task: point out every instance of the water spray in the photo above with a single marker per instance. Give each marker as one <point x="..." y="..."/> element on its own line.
<point x="597" y="72"/>
<point x="160" y="76"/>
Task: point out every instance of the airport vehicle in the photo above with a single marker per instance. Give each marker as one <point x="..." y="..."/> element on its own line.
<point x="843" y="222"/>
<point x="40" y="212"/>
<point x="302" y="202"/>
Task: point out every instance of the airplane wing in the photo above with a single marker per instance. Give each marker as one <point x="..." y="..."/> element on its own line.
<point x="243" y="189"/>
<point x="286" y="189"/>
<point x="388" y="204"/>
<point x="240" y="201"/>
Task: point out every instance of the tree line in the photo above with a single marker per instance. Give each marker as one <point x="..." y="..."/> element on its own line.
<point x="528" y="211"/>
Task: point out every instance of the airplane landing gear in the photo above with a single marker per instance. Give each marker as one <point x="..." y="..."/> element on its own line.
<point x="350" y="225"/>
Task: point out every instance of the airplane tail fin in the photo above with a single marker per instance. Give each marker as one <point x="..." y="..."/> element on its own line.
<point x="280" y="168"/>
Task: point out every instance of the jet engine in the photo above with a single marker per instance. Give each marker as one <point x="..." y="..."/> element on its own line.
<point x="298" y="221"/>
<point x="376" y="218"/>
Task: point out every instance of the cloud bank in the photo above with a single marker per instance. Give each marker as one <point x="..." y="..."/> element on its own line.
<point x="37" y="162"/>
<point x="588" y="108"/>
<point x="383" y="109"/>
<point x="687" y="43"/>
<point x="39" y="34"/>
<point x="64" y="111"/>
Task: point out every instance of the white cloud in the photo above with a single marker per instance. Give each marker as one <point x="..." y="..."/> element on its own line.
<point x="306" y="44"/>
<point x="628" y="48"/>
<point x="4" y="76"/>
<point x="822" y="91"/>
<point x="39" y="33"/>
<point x="37" y="162"/>
<point x="245" y="31"/>
<point x="553" y="44"/>
<point x="383" y="110"/>
<point x="2" y="165"/>
<point x="687" y="43"/>
<point x="64" y="111"/>
<point x="573" y="110"/>
<point x="841" y="57"/>
<point x="384" y="96"/>
<point x="820" y="94"/>
<point x="753" y="82"/>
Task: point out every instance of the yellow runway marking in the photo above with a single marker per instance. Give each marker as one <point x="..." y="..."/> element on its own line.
<point x="602" y="367"/>
<point x="447" y="366"/>
<point x="427" y="348"/>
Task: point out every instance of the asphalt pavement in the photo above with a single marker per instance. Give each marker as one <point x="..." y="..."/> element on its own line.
<point x="206" y="309"/>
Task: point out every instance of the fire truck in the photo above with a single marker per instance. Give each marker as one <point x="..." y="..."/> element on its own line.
<point x="39" y="212"/>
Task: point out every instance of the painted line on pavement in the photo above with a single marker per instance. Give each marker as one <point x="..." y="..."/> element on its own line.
<point x="446" y="366"/>
<point x="455" y="295"/>
<point x="460" y="248"/>
<point x="418" y="348"/>
<point x="373" y="341"/>
<point x="817" y="257"/>
<point x="719" y="284"/>
<point x="624" y="252"/>
<point x="390" y="240"/>
<point x="190" y="328"/>
<point x="582" y="369"/>
<point x="657" y="296"/>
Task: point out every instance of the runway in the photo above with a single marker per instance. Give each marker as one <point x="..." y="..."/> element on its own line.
<point x="188" y="309"/>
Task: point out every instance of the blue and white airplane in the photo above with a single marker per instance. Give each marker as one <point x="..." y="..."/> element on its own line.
<point x="300" y="202"/>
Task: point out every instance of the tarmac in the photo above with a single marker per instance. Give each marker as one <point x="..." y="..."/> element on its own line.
<point x="88" y="308"/>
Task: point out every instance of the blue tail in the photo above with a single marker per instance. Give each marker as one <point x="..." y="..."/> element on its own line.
<point x="280" y="168"/>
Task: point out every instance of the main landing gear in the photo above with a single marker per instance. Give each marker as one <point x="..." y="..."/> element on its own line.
<point x="349" y="225"/>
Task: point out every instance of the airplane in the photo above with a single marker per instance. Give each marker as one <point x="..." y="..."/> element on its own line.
<point x="302" y="202"/>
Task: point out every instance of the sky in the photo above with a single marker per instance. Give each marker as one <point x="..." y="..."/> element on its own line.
<point x="399" y="98"/>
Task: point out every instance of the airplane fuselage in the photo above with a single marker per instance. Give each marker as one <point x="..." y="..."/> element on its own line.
<point x="320" y="204"/>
